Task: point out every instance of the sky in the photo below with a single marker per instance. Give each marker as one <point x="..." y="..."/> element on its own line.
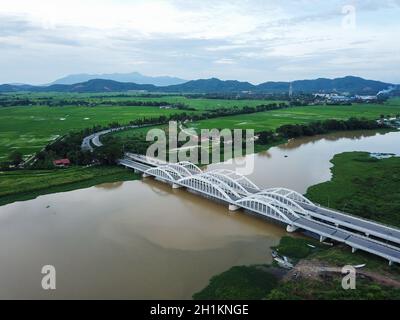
<point x="247" y="40"/>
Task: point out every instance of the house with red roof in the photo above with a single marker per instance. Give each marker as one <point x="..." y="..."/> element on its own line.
<point x="61" y="163"/>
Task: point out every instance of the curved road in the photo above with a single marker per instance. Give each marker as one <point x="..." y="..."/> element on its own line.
<point x="95" y="138"/>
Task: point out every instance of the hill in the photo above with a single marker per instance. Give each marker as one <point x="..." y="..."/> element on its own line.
<point x="134" y="77"/>
<point x="350" y="84"/>
<point x="96" y="85"/>
<point x="212" y="85"/>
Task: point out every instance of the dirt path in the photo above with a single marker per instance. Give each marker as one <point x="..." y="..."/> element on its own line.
<point x="315" y="269"/>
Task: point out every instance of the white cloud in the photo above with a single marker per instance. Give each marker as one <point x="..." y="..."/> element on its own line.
<point x="225" y="61"/>
<point x="187" y="38"/>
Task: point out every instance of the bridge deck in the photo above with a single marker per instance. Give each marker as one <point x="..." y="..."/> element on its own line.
<point x="134" y="165"/>
<point x="356" y="223"/>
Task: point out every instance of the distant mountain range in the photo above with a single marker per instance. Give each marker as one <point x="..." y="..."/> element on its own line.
<point x="351" y="84"/>
<point x="134" y="77"/>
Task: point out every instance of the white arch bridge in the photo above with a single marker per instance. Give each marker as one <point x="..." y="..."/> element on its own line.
<point x="285" y="206"/>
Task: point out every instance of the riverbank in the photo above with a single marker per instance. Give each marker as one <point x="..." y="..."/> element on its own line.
<point x="21" y="185"/>
<point x="316" y="275"/>
<point x="362" y="185"/>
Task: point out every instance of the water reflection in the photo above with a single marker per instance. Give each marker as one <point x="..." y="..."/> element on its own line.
<point x="352" y="135"/>
<point x="110" y="186"/>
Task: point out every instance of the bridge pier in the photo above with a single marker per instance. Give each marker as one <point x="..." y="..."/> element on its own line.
<point x="322" y="238"/>
<point x="176" y="186"/>
<point x="353" y="250"/>
<point x="145" y="175"/>
<point x="290" y="228"/>
<point x="232" y="207"/>
<point x="390" y="263"/>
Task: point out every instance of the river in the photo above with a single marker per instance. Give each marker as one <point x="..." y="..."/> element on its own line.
<point x="144" y="240"/>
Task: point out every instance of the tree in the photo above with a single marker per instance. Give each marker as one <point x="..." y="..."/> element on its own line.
<point x="265" y="137"/>
<point x="4" y="166"/>
<point x="110" y="152"/>
<point x="16" y="158"/>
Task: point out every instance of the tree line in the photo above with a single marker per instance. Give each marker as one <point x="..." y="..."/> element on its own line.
<point x="290" y="131"/>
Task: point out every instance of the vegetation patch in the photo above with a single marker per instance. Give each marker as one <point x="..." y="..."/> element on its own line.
<point x="21" y="185"/>
<point x="331" y="289"/>
<point x="341" y="255"/>
<point x="363" y="186"/>
<point x="297" y="248"/>
<point x="238" y="283"/>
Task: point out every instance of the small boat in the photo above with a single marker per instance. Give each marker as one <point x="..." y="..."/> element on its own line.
<point x="284" y="263"/>
<point x="274" y="254"/>
<point x="360" y="266"/>
<point x="311" y="246"/>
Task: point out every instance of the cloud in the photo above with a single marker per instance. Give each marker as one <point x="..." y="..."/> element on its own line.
<point x="254" y="40"/>
<point x="225" y="61"/>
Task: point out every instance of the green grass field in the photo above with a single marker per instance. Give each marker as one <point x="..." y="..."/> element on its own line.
<point x="200" y="104"/>
<point x="299" y="115"/>
<point x="363" y="186"/>
<point x="28" y="129"/>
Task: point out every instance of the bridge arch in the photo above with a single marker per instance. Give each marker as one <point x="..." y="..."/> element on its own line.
<point x="239" y="178"/>
<point x="268" y="207"/>
<point x="165" y="173"/>
<point x="229" y="181"/>
<point x="182" y="170"/>
<point x="285" y="200"/>
<point x="222" y="184"/>
<point x="288" y="211"/>
<point x="210" y="186"/>
<point x="290" y="194"/>
<point x="190" y="166"/>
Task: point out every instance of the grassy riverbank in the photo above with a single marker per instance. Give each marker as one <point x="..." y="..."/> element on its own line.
<point x="23" y="185"/>
<point x="242" y="282"/>
<point x="309" y="278"/>
<point x="363" y="186"/>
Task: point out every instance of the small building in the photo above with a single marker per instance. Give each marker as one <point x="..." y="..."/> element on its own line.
<point x="338" y="99"/>
<point x="366" y="99"/>
<point x="62" y="163"/>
